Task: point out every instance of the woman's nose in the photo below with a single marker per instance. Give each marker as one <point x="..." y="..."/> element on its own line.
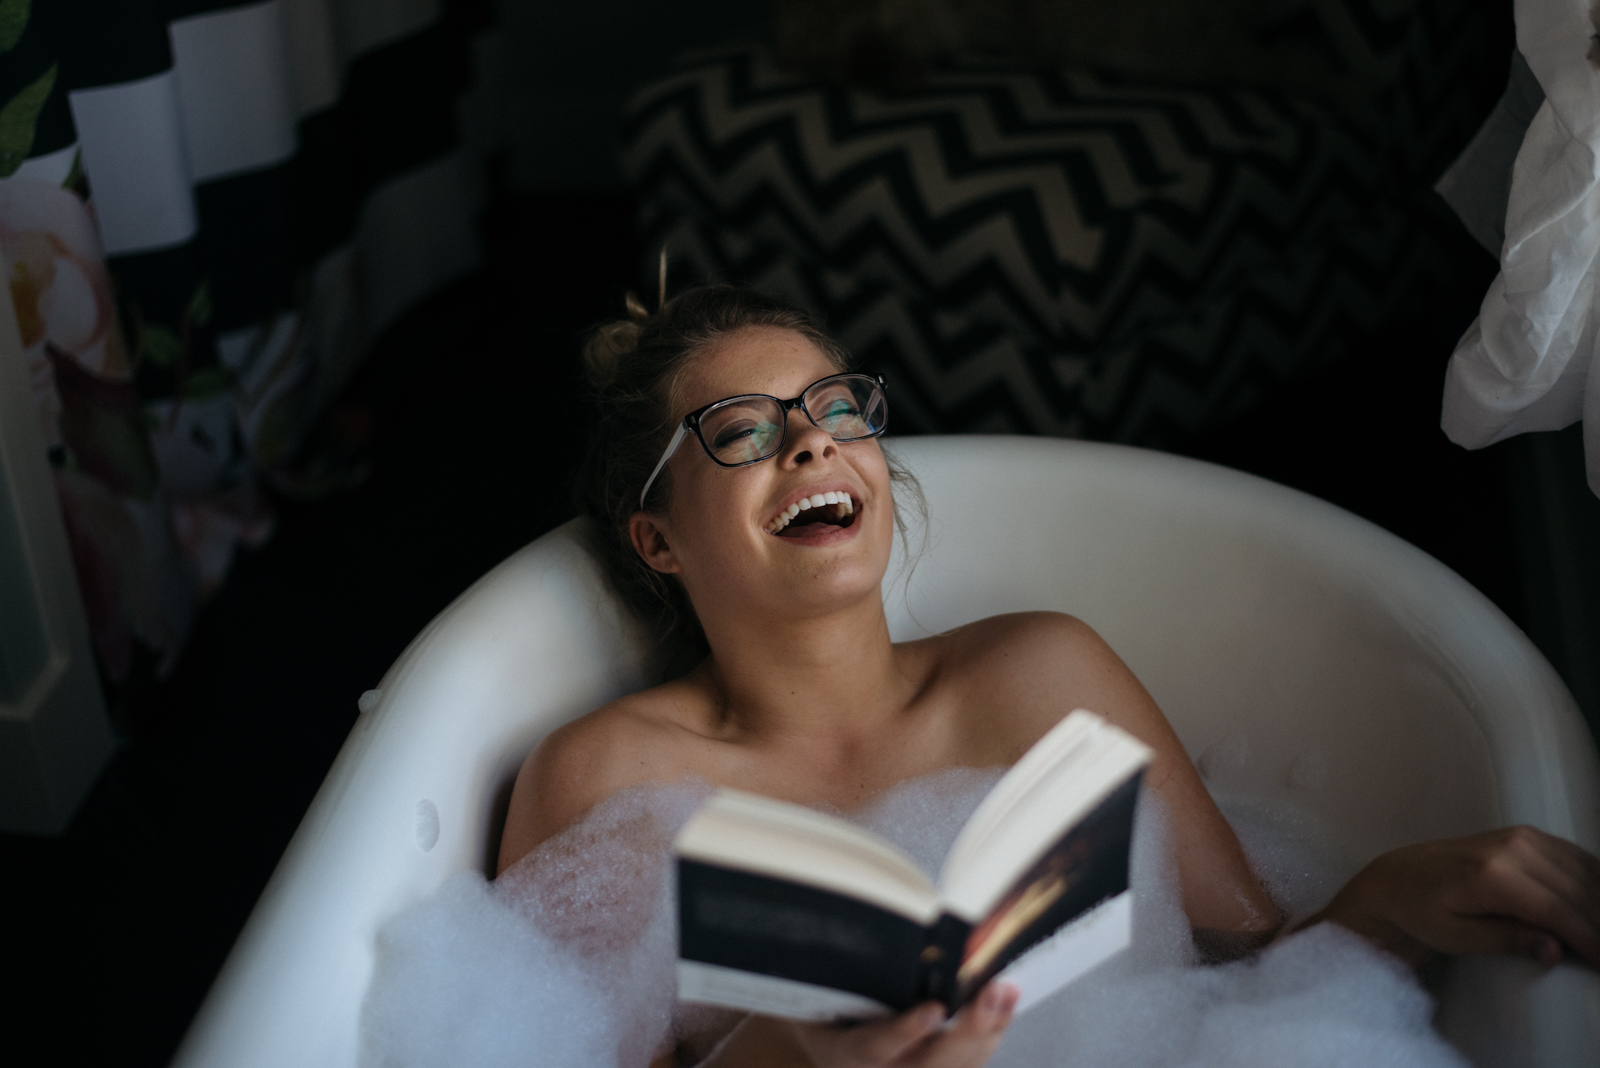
<point x="807" y="441"/>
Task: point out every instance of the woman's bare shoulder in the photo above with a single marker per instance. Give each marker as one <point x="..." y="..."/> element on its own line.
<point x="1025" y="670"/>
<point x="1039" y="641"/>
<point x="643" y="737"/>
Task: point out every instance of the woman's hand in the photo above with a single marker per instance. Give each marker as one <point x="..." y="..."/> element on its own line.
<point x="1516" y="890"/>
<point x="914" y="1039"/>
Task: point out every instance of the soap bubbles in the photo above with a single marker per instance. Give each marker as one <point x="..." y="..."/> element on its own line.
<point x="567" y="958"/>
<point x="1319" y="998"/>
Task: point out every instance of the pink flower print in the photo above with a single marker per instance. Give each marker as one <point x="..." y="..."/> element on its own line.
<point x="56" y="272"/>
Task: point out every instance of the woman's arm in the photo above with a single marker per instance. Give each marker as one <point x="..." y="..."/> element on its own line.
<point x="1516" y="890"/>
<point x="582" y="763"/>
<point x="1033" y="668"/>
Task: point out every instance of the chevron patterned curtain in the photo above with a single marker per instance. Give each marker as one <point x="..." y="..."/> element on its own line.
<point x="1069" y="251"/>
<point x="208" y="211"/>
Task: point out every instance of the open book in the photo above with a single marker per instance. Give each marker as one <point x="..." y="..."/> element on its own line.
<point x="786" y="911"/>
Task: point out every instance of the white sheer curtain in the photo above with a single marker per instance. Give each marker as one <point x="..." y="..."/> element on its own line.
<point x="1525" y="363"/>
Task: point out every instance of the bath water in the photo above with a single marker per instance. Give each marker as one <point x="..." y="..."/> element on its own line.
<point x="567" y="958"/>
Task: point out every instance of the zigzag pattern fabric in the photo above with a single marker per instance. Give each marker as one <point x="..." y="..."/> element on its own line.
<point x="1033" y="251"/>
<point x="1419" y="56"/>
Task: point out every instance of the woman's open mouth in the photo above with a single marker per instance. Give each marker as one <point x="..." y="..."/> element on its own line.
<point x="814" y="515"/>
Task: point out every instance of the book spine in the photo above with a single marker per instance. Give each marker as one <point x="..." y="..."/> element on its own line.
<point x="940" y="960"/>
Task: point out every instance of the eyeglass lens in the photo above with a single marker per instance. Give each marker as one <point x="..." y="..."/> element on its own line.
<point x="745" y="429"/>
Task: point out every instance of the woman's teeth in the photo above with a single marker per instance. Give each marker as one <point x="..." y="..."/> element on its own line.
<point x="845" y="505"/>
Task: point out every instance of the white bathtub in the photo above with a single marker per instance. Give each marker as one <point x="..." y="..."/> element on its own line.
<point x="1320" y="661"/>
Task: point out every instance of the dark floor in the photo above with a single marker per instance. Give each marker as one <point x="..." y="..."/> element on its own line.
<point x="120" y="925"/>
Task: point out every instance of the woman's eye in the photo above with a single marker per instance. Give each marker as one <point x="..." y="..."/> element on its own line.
<point x="750" y="439"/>
<point x="839" y="409"/>
<point x="730" y="434"/>
<point x="842" y="418"/>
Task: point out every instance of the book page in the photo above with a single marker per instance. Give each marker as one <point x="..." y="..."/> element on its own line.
<point x="757" y="834"/>
<point x="1072" y="769"/>
<point x="1085" y="867"/>
<point x="771" y="995"/>
<point x="1038" y="762"/>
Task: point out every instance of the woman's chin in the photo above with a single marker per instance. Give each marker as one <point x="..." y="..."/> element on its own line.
<point x="833" y="564"/>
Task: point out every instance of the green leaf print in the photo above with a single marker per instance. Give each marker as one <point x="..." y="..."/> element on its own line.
<point x="199" y="309"/>
<point x="13" y="20"/>
<point x="159" y="344"/>
<point x="278" y="429"/>
<point x="17" y="120"/>
<point x="75" y="175"/>
<point x="208" y="382"/>
<point x="103" y="425"/>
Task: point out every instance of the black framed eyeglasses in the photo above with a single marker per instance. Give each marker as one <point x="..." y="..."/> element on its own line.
<point x="749" y="428"/>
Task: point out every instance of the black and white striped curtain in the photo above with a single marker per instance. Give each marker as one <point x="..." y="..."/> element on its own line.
<point x="208" y="211"/>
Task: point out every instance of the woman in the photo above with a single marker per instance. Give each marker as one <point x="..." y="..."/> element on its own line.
<point x="744" y="507"/>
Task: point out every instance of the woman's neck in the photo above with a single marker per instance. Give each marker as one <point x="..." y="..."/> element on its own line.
<point x="833" y="678"/>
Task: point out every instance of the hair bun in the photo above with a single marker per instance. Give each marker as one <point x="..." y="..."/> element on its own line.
<point x="603" y="352"/>
<point x="605" y="349"/>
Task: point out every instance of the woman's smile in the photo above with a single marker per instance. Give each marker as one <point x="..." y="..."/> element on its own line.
<point x="817" y="515"/>
<point x="814" y="493"/>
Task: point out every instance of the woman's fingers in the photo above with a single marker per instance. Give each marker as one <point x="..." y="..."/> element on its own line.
<point x="975" y="1032"/>
<point x="1495" y="934"/>
<point x="1525" y="875"/>
<point x="915" y="1039"/>
<point x="879" y="1042"/>
<point x="1579" y="870"/>
<point x="1546" y="882"/>
<point x="889" y="1041"/>
<point x="1515" y="890"/>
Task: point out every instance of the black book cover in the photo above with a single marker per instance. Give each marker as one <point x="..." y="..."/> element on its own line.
<point x="1087" y="865"/>
<point x="776" y="927"/>
<point x="757" y="923"/>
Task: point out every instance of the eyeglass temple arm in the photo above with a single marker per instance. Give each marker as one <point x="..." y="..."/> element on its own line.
<point x="672" y="447"/>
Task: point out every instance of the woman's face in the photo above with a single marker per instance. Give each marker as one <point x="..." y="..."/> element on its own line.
<point x="724" y="533"/>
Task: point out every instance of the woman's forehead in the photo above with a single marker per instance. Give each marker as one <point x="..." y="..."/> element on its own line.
<point x="758" y="359"/>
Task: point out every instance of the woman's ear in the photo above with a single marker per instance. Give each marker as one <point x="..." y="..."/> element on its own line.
<point x="649" y="535"/>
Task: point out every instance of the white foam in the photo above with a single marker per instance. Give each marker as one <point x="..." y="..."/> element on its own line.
<point x="1292" y="852"/>
<point x="923" y="816"/>
<point x="462" y="979"/>
<point x="1322" y="997"/>
<point x="567" y="959"/>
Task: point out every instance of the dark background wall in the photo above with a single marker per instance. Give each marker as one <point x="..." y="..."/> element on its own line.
<point x="565" y="70"/>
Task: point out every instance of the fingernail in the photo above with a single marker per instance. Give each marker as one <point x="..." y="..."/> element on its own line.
<point x="931" y="1017"/>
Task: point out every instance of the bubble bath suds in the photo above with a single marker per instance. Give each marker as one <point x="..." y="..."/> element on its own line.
<point x="567" y="958"/>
